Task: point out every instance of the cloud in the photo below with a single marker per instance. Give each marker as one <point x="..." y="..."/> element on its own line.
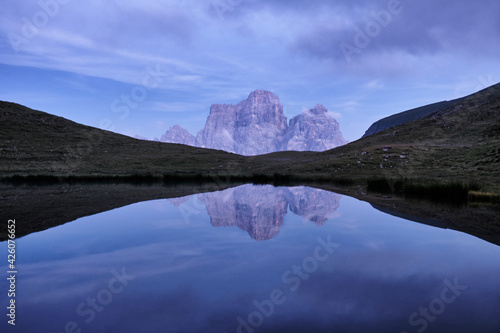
<point x="103" y="33"/>
<point x="426" y="29"/>
<point x="291" y="47"/>
<point x="334" y="115"/>
<point x="375" y="84"/>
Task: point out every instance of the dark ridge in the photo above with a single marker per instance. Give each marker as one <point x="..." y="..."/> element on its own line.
<point x="407" y="116"/>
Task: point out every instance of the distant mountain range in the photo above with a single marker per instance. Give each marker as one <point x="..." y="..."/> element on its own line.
<point x="258" y="125"/>
<point x="458" y="142"/>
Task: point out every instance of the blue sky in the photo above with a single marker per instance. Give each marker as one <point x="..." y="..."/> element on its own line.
<point x="139" y="67"/>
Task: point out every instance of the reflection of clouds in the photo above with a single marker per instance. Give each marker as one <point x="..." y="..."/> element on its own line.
<point x="351" y="298"/>
<point x="197" y="279"/>
<point x="375" y="245"/>
<point x="163" y="299"/>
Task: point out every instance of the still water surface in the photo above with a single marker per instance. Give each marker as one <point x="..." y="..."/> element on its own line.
<point x="254" y="259"/>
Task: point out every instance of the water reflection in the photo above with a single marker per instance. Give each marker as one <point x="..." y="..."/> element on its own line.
<point x="147" y="268"/>
<point x="260" y="210"/>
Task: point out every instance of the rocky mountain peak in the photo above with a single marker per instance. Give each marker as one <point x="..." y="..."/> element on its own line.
<point x="252" y="127"/>
<point x="258" y="125"/>
<point x="313" y="130"/>
<point x="261" y="107"/>
<point x="178" y="134"/>
<point x="318" y="110"/>
<point x="262" y="97"/>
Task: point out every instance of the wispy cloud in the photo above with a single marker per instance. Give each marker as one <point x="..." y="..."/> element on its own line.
<point x="291" y="47"/>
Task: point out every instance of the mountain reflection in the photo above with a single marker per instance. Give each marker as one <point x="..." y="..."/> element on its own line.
<point x="260" y="210"/>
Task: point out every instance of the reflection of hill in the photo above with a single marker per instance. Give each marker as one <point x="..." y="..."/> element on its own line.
<point x="37" y="207"/>
<point x="260" y="210"/>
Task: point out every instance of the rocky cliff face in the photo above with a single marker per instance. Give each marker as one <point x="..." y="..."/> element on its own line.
<point x="260" y="210"/>
<point x="219" y="128"/>
<point x="252" y="127"/>
<point x="258" y="125"/>
<point x="314" y="130"/>
<point x="178" y="134"/>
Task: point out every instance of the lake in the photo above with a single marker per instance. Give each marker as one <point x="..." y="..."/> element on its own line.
<point x="253" y="259"/>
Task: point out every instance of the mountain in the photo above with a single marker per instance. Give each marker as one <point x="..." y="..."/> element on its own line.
<point x="254" y="126"/>
<point x="219" y="128"/>
<point x="178" y="134"/>
<point x="457" y="143"/>
<point x="258" y="126"/>
<point x="407" y="116"/>
<point x="314" y="130"/>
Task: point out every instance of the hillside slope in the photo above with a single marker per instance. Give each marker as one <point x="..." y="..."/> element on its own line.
<point x="37" y="143"/>
<point x="460" y="142"/>
<point x="407" y="116"/>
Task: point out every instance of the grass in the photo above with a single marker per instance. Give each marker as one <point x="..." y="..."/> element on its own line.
<point x="461" y="145"/>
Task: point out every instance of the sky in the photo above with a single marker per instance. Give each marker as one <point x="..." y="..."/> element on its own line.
<point x="139" y="67"/>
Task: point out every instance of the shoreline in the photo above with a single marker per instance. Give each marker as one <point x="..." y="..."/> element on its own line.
<point x="39" y="206"/>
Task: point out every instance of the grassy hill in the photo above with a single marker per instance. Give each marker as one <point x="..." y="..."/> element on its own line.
<point x="457" y="144"/>
<point x="37" y="208"/>
<point x="407" y="116"/>
<point x="37" y="143"/>
<point x="460" y="142"/>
